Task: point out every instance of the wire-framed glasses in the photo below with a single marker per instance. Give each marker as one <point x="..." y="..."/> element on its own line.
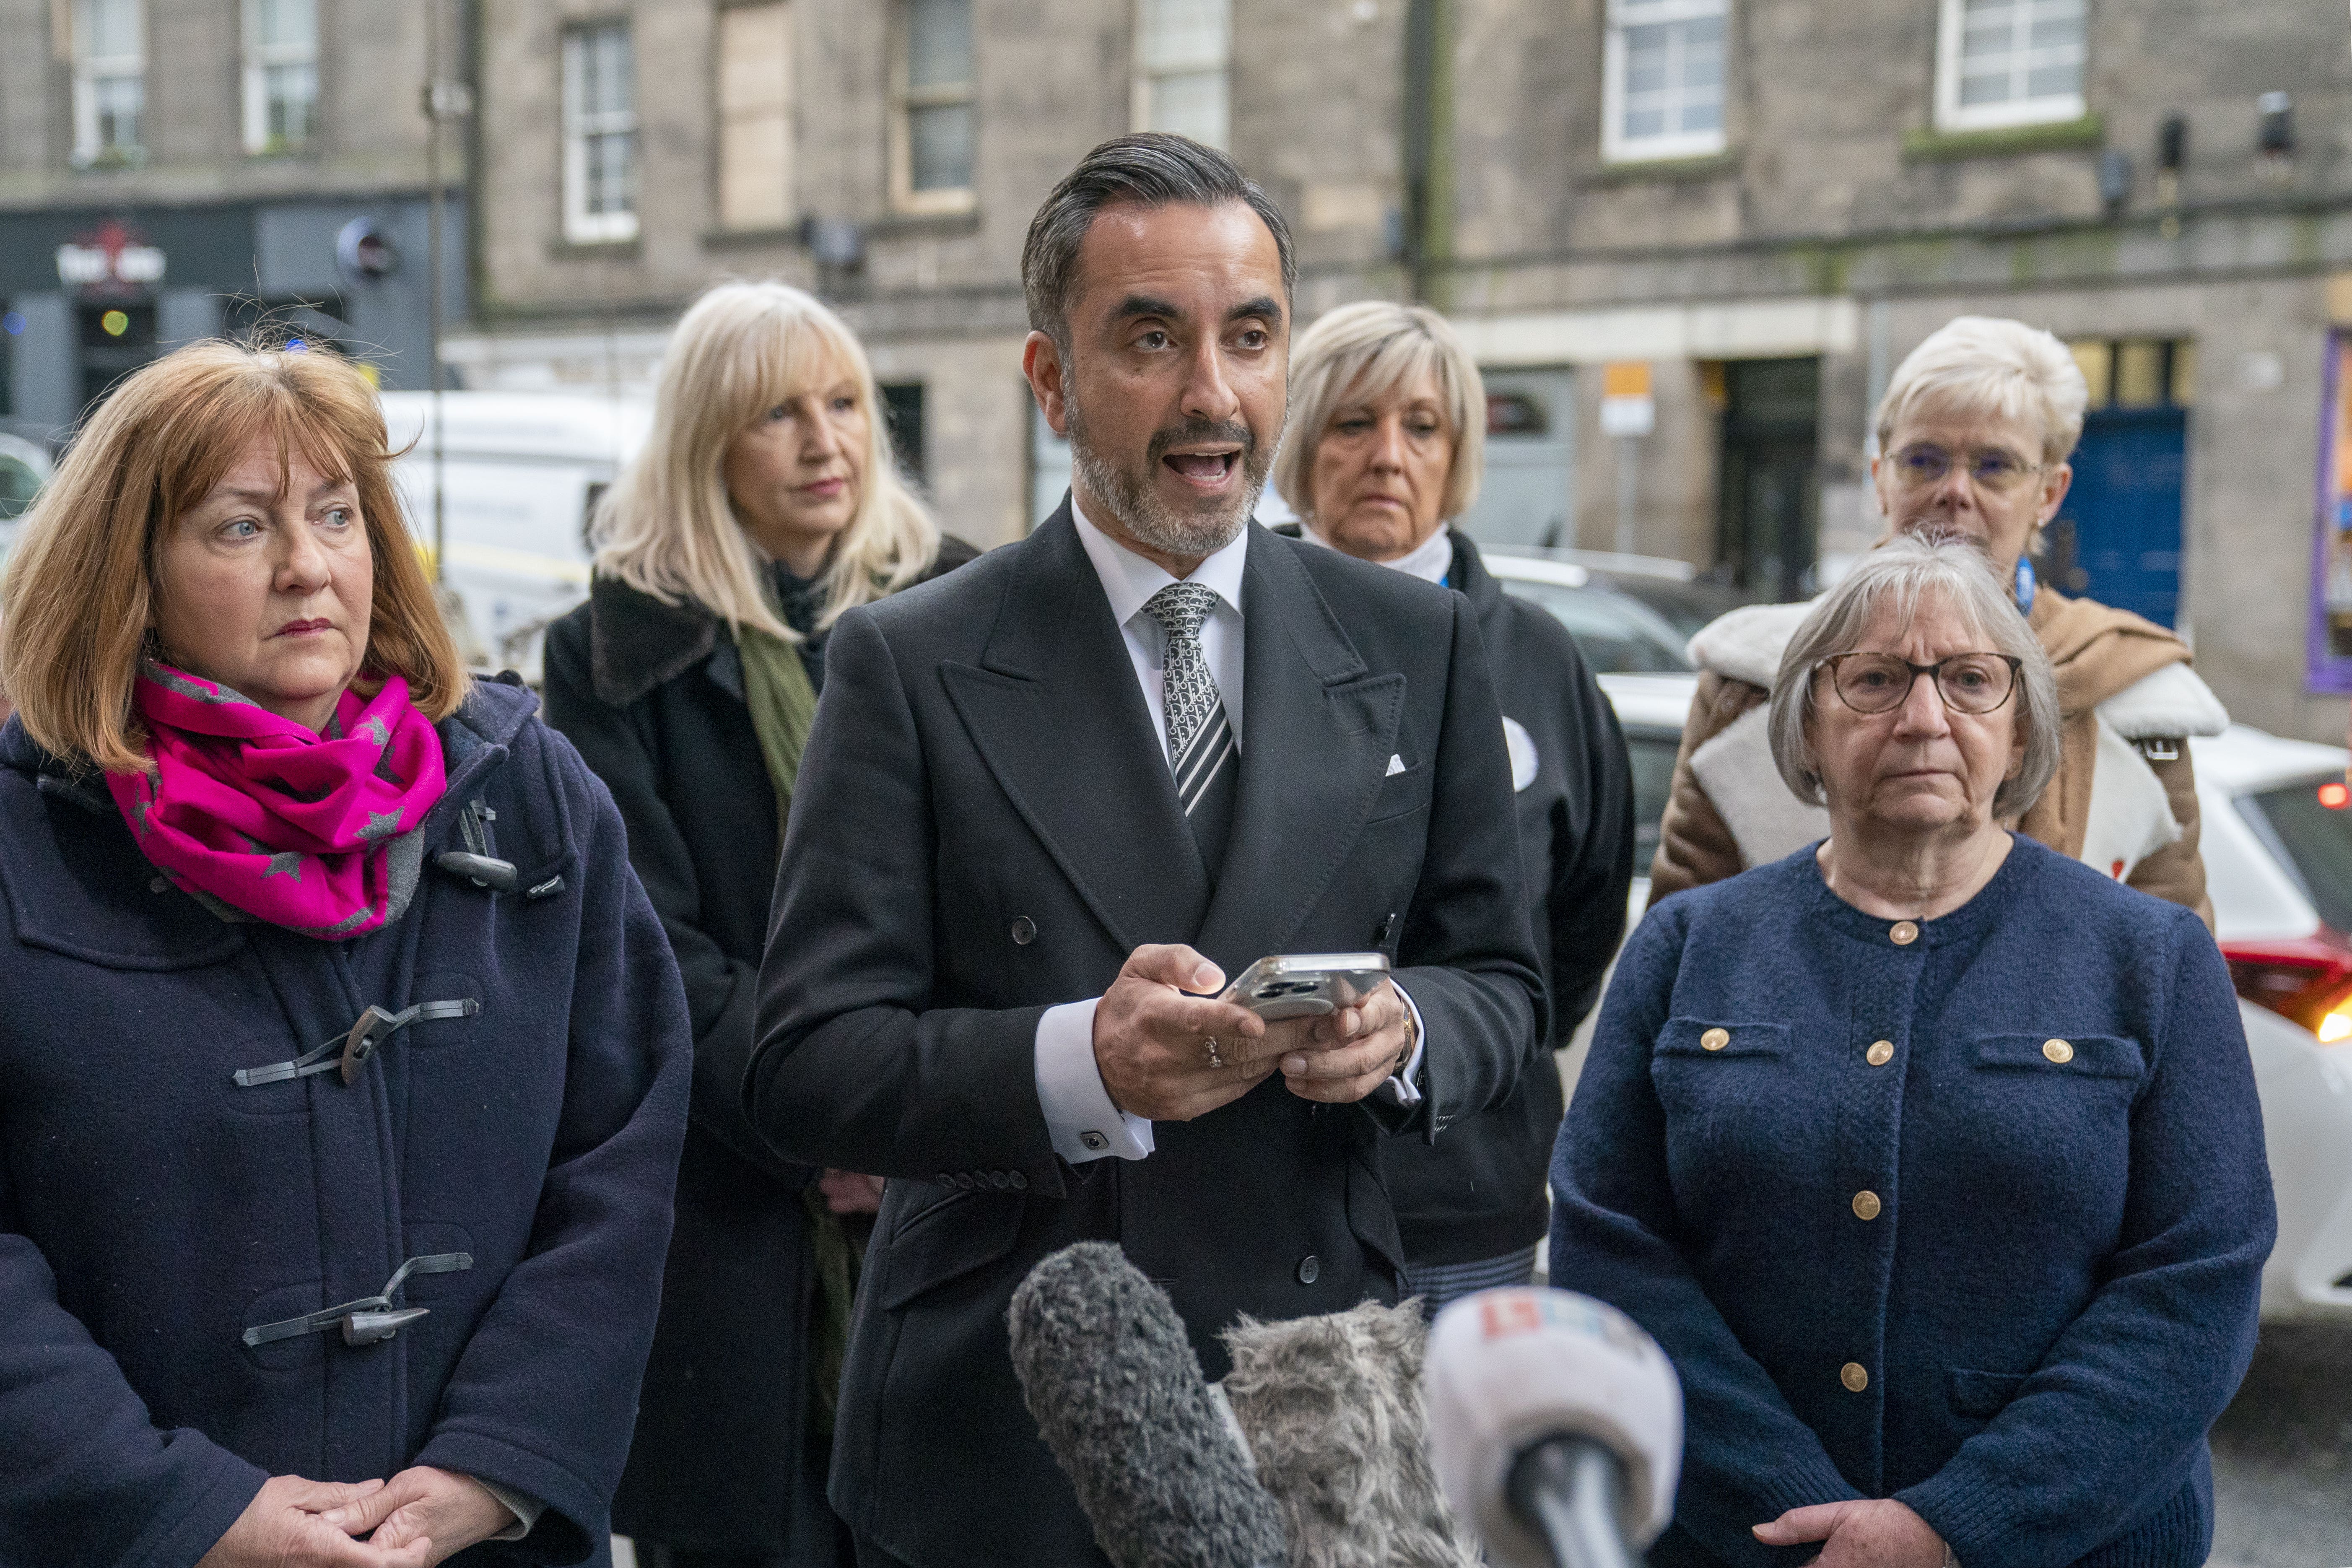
<point x="1880" y="682"/>
<point x="1922" y="464"/>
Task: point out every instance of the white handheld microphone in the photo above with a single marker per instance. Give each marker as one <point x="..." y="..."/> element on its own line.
<point x="1555" y="1427"/>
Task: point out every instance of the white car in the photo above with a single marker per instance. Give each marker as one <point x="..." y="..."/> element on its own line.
<point x="2277" y="843"/>
<point x="519" y="473"/>
<point x="24" y="469"/>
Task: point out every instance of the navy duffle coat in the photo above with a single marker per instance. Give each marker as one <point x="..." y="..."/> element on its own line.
<point x="1969" y="1212"/>
<point x="153" y="1209"/>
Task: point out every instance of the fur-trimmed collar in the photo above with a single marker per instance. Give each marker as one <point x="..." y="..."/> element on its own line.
<point x="635" y="642"/>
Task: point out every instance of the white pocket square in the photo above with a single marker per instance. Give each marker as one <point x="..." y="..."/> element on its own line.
<point x="1396" y="766"/>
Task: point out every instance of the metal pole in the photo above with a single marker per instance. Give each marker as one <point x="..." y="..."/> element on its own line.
<point x="1629" y="474"/>
<point x="433" y="218"/>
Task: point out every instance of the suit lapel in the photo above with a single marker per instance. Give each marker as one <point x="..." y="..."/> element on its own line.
<point x="1318" y="731"/>
<point x="1055" y="711"/>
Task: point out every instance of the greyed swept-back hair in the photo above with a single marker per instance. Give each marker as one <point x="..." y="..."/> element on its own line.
<point x="1148" y="169"/>
<point x="1901" y="575"/>
<point x="666" y="527"/>
<point x="1371" y="350"/>
<point x="84" y="581"/>
<point x="1977" y="365"/>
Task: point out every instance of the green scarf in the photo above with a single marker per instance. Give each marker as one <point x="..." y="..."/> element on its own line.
<point x="783" y="701"/>
<point x="776" y="688"/>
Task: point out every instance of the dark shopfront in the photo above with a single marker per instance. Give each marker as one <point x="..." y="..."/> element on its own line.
<point x="88" y="295"/>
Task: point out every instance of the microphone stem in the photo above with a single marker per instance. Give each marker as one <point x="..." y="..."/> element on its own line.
<point x="1566" y="1489"/>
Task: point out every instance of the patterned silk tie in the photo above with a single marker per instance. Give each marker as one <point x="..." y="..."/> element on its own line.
<point x="1200" y="736"/>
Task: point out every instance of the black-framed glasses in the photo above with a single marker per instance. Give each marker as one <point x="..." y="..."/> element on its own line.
<point x="1880" y="682"/>
<point x="1923" y="464"/>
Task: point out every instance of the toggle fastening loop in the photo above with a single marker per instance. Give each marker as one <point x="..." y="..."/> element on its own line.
<point x="370" y="1320"/>
<point x="370" y="1030"/>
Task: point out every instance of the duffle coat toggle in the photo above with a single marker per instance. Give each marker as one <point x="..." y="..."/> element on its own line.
<point x="372" y="1029"/>
<point x="476" y="862"/>
<point x="371" y="1320"/>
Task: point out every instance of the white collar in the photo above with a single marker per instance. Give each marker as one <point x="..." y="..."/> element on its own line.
<point x="1430" y="559"/>
<point x="1130" y="580"/>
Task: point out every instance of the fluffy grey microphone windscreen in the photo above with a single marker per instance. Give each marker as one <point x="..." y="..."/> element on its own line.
<point x="1331" y="1406"/>
<point x="1117" y="1394"/>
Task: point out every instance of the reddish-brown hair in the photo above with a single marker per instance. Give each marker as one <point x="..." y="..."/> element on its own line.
<point x="79" y="596"/>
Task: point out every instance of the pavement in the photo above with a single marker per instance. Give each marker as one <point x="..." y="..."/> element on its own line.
<point x="2282" y="1454"/>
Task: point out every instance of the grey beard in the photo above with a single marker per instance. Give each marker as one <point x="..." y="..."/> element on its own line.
<point x="1150" y="519"/>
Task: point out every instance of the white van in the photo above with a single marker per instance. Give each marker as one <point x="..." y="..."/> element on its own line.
<point x="519" y="473"/>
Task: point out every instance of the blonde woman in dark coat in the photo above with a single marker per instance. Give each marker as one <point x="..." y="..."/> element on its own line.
<point x="764" y="505"/>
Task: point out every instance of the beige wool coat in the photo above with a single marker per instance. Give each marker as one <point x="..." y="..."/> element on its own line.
<point x="2128" y="702"/>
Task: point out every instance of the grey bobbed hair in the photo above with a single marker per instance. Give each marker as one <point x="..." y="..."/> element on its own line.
<point x="1900" y="575"/>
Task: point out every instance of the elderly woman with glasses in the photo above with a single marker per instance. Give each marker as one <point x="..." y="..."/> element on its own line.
<point x="1931" y="1156"/>
<point x="1974" y="434"/>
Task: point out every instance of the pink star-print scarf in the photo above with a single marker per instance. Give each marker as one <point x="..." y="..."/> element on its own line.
<point x="264" y="815"/>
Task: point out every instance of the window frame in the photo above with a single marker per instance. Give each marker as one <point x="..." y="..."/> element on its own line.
<point x="1616" y="147"/>
<point x="258" y="60"/>
<point x="905" y="99"/>
<point x="88" y="70"/>
<point x="1143" y="76"/>
<point x="2055" y="108"/>
<point x="581" y="226"/>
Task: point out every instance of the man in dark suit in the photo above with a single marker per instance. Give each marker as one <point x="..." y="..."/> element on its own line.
<point x="1052" y="802"/>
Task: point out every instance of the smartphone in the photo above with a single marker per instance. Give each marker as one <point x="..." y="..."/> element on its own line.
<point x="1307" y="985"/>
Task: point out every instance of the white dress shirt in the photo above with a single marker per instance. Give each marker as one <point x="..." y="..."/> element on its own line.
<point x="1084" y="1123"/>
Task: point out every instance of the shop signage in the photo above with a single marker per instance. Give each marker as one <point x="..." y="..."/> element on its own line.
<point x="110" y="259"/>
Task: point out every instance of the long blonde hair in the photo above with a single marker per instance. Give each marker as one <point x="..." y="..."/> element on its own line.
<point x="666" y="527"/>
<point x="81" y="589"/>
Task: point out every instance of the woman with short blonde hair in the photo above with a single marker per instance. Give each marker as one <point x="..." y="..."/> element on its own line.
<point x="764" y="505"/>
<point x="1386" y="446"/>
<point x="346" y="1066"/>
<point x="1975" y="432"/>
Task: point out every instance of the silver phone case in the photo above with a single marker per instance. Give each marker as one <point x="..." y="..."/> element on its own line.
<point x="1307" y="985"/>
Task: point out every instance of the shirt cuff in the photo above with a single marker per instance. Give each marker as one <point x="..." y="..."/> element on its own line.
<point x="1079" y="1117"/>
<point x="1401" y="1088"/>
<point x="526" y="1509"/>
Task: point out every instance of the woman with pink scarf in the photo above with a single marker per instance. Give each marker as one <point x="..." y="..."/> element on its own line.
<point x="342" y="1062"/>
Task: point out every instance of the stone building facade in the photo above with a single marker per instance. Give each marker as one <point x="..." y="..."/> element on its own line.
<point x="1751" y="208"/>
<point x="176" y="169"/>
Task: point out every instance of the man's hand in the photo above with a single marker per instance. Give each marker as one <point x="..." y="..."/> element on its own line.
<point x="291" y="1523"/>
<point x="1151" y="1038"/>
<point x="846" y="1192"/>
<point x="1345" y="1056"/>
<point x="434" y="1513"/>
<point x="1882" y="1533"/>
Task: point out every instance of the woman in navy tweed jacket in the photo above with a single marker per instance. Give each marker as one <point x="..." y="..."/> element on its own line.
<point x="1932" y="1158"/>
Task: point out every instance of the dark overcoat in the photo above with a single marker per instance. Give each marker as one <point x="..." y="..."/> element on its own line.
<point x="151" y="1209"/>
<point x="986" y="825"/>
<point x="1970" y="1212"/>
<point x="1478" y="1192"/>
<point x="653" y="696"/>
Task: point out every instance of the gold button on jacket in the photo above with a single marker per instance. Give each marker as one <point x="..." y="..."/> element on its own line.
<point x="1881" y="1052"/>
<point x="1714" y="1040"/>
<point x="1865" y="1204"/>
<point x="1854" y="1375"/>
<point x="2058" y="1051"/>
<point x="1902" y="933"/>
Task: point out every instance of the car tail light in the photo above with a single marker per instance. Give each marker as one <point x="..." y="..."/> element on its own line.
<point x="2305" y="978"/>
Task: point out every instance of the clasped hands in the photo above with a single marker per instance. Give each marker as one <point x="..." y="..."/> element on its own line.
<point x="1877" y="1533"/>
<point x="420" y="1517"/>
<point x="1154" y="1026"/>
